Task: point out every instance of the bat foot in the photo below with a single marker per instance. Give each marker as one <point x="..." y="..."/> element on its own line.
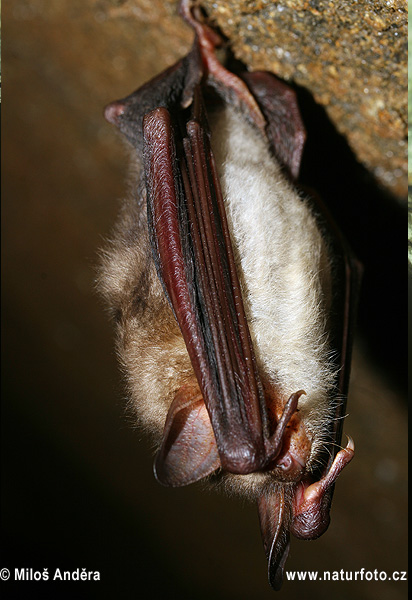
<point x="312" y="502"/>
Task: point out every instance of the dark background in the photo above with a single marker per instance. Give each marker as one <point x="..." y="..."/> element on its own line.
<point x="77" y="483"/>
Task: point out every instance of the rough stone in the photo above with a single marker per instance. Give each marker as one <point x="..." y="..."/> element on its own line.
<point x="351" y="56"/>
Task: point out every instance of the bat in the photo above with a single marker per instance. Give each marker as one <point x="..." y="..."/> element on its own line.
<point x="233" y="292"/>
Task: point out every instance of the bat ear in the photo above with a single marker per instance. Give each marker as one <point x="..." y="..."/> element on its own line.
<point x="274" y="526"/>
<point x="188" y="452"/>
<point x="285" y="129"/>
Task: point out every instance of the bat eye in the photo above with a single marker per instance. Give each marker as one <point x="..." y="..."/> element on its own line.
<point x="290" y="466"/>
<point x="285" y="463"/>
<point x="113" y="111"/>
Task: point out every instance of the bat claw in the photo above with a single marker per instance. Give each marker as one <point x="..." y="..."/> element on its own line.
<point x="312" y="502"/>
<point x="351" y="444"/>
<point x="275" y="442"/>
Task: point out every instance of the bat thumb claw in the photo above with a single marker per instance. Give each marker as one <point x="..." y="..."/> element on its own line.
<point x="351" y="444"/>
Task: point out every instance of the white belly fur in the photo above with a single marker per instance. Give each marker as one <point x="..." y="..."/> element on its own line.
<point x="284" y="267"/>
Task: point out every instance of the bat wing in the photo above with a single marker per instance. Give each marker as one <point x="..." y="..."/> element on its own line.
<point x="219" y="419"/>
<point x="195" y="262"/>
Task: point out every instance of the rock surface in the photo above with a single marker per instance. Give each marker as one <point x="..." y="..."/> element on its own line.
<point x="351" y="56"/>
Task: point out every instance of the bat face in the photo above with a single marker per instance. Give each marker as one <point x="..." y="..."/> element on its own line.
<point x="229" y="297"/>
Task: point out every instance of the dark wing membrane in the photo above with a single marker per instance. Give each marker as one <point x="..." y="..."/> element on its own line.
<point x="195" y="262"/>
<point x="346" y="281"/>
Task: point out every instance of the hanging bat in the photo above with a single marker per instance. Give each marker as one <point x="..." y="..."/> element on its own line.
<point x="233" y="293"/>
